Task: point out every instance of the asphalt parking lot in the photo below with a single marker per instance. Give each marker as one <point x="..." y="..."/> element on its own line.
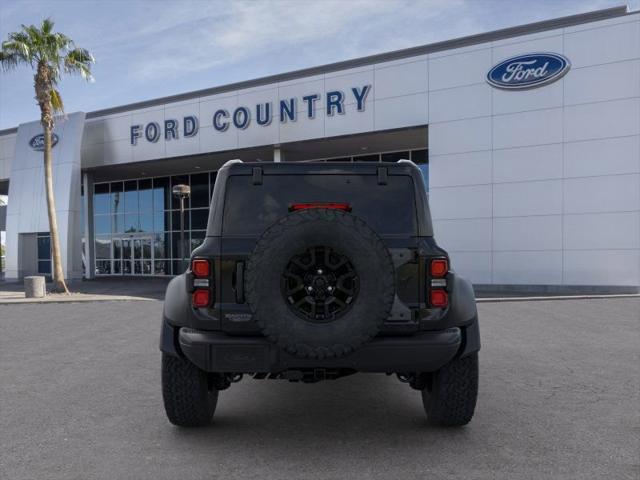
<point x="559" y="398"/>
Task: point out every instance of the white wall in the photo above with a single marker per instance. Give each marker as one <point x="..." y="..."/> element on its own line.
<point x="27" y="206"/>
<point x="540" y="186"/>
<point x="7" y="151"/>
<point x="398" y="98"/>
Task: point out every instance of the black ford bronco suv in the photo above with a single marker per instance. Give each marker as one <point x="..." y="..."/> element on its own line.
<point x="314" y="271"/>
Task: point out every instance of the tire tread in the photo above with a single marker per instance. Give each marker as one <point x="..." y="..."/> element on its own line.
<point x="188" y="400"/>
<point x="454" y="391"/>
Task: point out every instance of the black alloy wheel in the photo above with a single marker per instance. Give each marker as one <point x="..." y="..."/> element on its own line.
<point x="320" y="284"/>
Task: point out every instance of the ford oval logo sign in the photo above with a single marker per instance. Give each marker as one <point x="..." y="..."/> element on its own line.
<point x="37" y="142"/>
<point x="528" y="71"/>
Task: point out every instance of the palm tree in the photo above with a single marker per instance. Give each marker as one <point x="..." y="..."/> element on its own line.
<point x="50" y="55"/>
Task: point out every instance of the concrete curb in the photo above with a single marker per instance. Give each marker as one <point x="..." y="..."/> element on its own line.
<point x="76" y="299"/>
<point x="551" y="298"/>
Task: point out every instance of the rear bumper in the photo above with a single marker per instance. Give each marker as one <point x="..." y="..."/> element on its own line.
<point x="218" y="352"/>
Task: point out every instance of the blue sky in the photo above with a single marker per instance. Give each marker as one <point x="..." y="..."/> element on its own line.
<point x="149" y="49"/>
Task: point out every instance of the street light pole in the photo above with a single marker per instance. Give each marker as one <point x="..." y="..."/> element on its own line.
<point x="182" y="192"/>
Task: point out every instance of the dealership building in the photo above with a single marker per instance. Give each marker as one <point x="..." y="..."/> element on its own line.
<point x="528" y="138"/>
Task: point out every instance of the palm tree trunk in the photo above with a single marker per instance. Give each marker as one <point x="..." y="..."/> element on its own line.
<point x="59" y="284"/>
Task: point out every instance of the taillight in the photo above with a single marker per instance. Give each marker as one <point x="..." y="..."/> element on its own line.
<point x="200" y="298"/>
<point x="200" y="268"/>
<point x="202" y="283"/>
<point x="438" y="296"/>
<point x="294" y="207"/>
<point x="439" y="267"/>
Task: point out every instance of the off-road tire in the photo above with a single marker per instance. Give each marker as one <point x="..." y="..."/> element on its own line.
<point x="450" y="395"/>
<point x="189" y="396"/>
<point x="353" y="238"/>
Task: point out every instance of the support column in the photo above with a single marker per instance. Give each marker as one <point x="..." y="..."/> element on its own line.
<point x="277" y="154"/>
<point x="87" y="222"/>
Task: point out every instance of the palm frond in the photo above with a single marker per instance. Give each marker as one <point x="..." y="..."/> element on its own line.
<point x="47" y="26"/>
<point x="18" y="47"/>
<point x="56" y="101"/>
<point x="9" y="61"/>
<point x="63" y="42"/>
<point x="79" y="61"/>
<point x="34" y="34"/>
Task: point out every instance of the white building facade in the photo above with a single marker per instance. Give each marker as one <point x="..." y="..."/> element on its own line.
<point x="533" y="183"/>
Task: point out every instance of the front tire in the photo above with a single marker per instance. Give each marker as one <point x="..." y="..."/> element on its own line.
<point x="450" y="395"/>
<point x="189" y="395"/>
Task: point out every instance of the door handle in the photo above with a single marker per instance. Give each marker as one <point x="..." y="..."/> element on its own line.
<point x="239" y="287"/>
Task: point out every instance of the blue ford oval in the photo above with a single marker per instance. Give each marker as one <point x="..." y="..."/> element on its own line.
<point x="528" y="71"/>
<point x="37" y="142"/>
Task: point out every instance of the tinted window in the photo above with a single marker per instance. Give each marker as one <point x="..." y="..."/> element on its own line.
<point x="200" y="190"/>
<point x="389" y="209"/>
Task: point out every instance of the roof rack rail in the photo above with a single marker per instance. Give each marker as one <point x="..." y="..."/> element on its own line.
<point x="404" y="160"/>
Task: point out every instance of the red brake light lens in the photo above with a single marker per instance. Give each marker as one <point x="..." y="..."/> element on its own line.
<point x="294" y="207"/>
<point x="439" y="298"/>
<point x="439" y="267"/>
<point x="200" y="268"/>
<point x="200" y="298"/>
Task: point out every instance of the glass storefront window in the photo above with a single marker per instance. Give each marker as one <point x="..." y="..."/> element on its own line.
<point x="131" y="223"/>
<point x="131" y="203"/>
<point x="44" y="253"/>
<point x="44" y="247"/>
<point x="145" y="195"/>
<point x="103" y="267"/>
<point x="117" y="223"/>
<point x="175" y="244"/>
<point x="103" y="247"/>
<point x="161" y="194"/>
<point x="44" y="266"/>
<point x="145" y="209"/>
<point x="200" y="190"/>
<point x="162" y="267"/>
<point x="160" y="245"/>
<point x="175" y="220"/>
<point x="101" y="199"/>
<point x="117" y="248"/>
<point x="146" y="222"/>
<point x="199" y="218"/>
<point x="102" y="224"/>
<point x="161" y="222"/>
<point x="116" y="197"/>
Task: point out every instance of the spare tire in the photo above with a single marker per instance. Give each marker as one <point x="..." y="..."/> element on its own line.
<point x="320" y="283"/>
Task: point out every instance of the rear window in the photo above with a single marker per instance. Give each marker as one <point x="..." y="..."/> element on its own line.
<point x="388" y="209"/>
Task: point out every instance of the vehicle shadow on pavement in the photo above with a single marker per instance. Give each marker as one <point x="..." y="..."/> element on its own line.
<point x="332" y="411"/>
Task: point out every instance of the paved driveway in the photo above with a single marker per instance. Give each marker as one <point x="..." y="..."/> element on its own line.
<point x="559" y="398"/>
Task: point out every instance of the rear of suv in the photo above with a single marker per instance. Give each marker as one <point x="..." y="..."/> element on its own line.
<point x="316" y="271"/>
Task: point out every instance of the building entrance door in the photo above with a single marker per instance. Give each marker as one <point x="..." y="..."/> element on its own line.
<point x="134" y="254"/>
